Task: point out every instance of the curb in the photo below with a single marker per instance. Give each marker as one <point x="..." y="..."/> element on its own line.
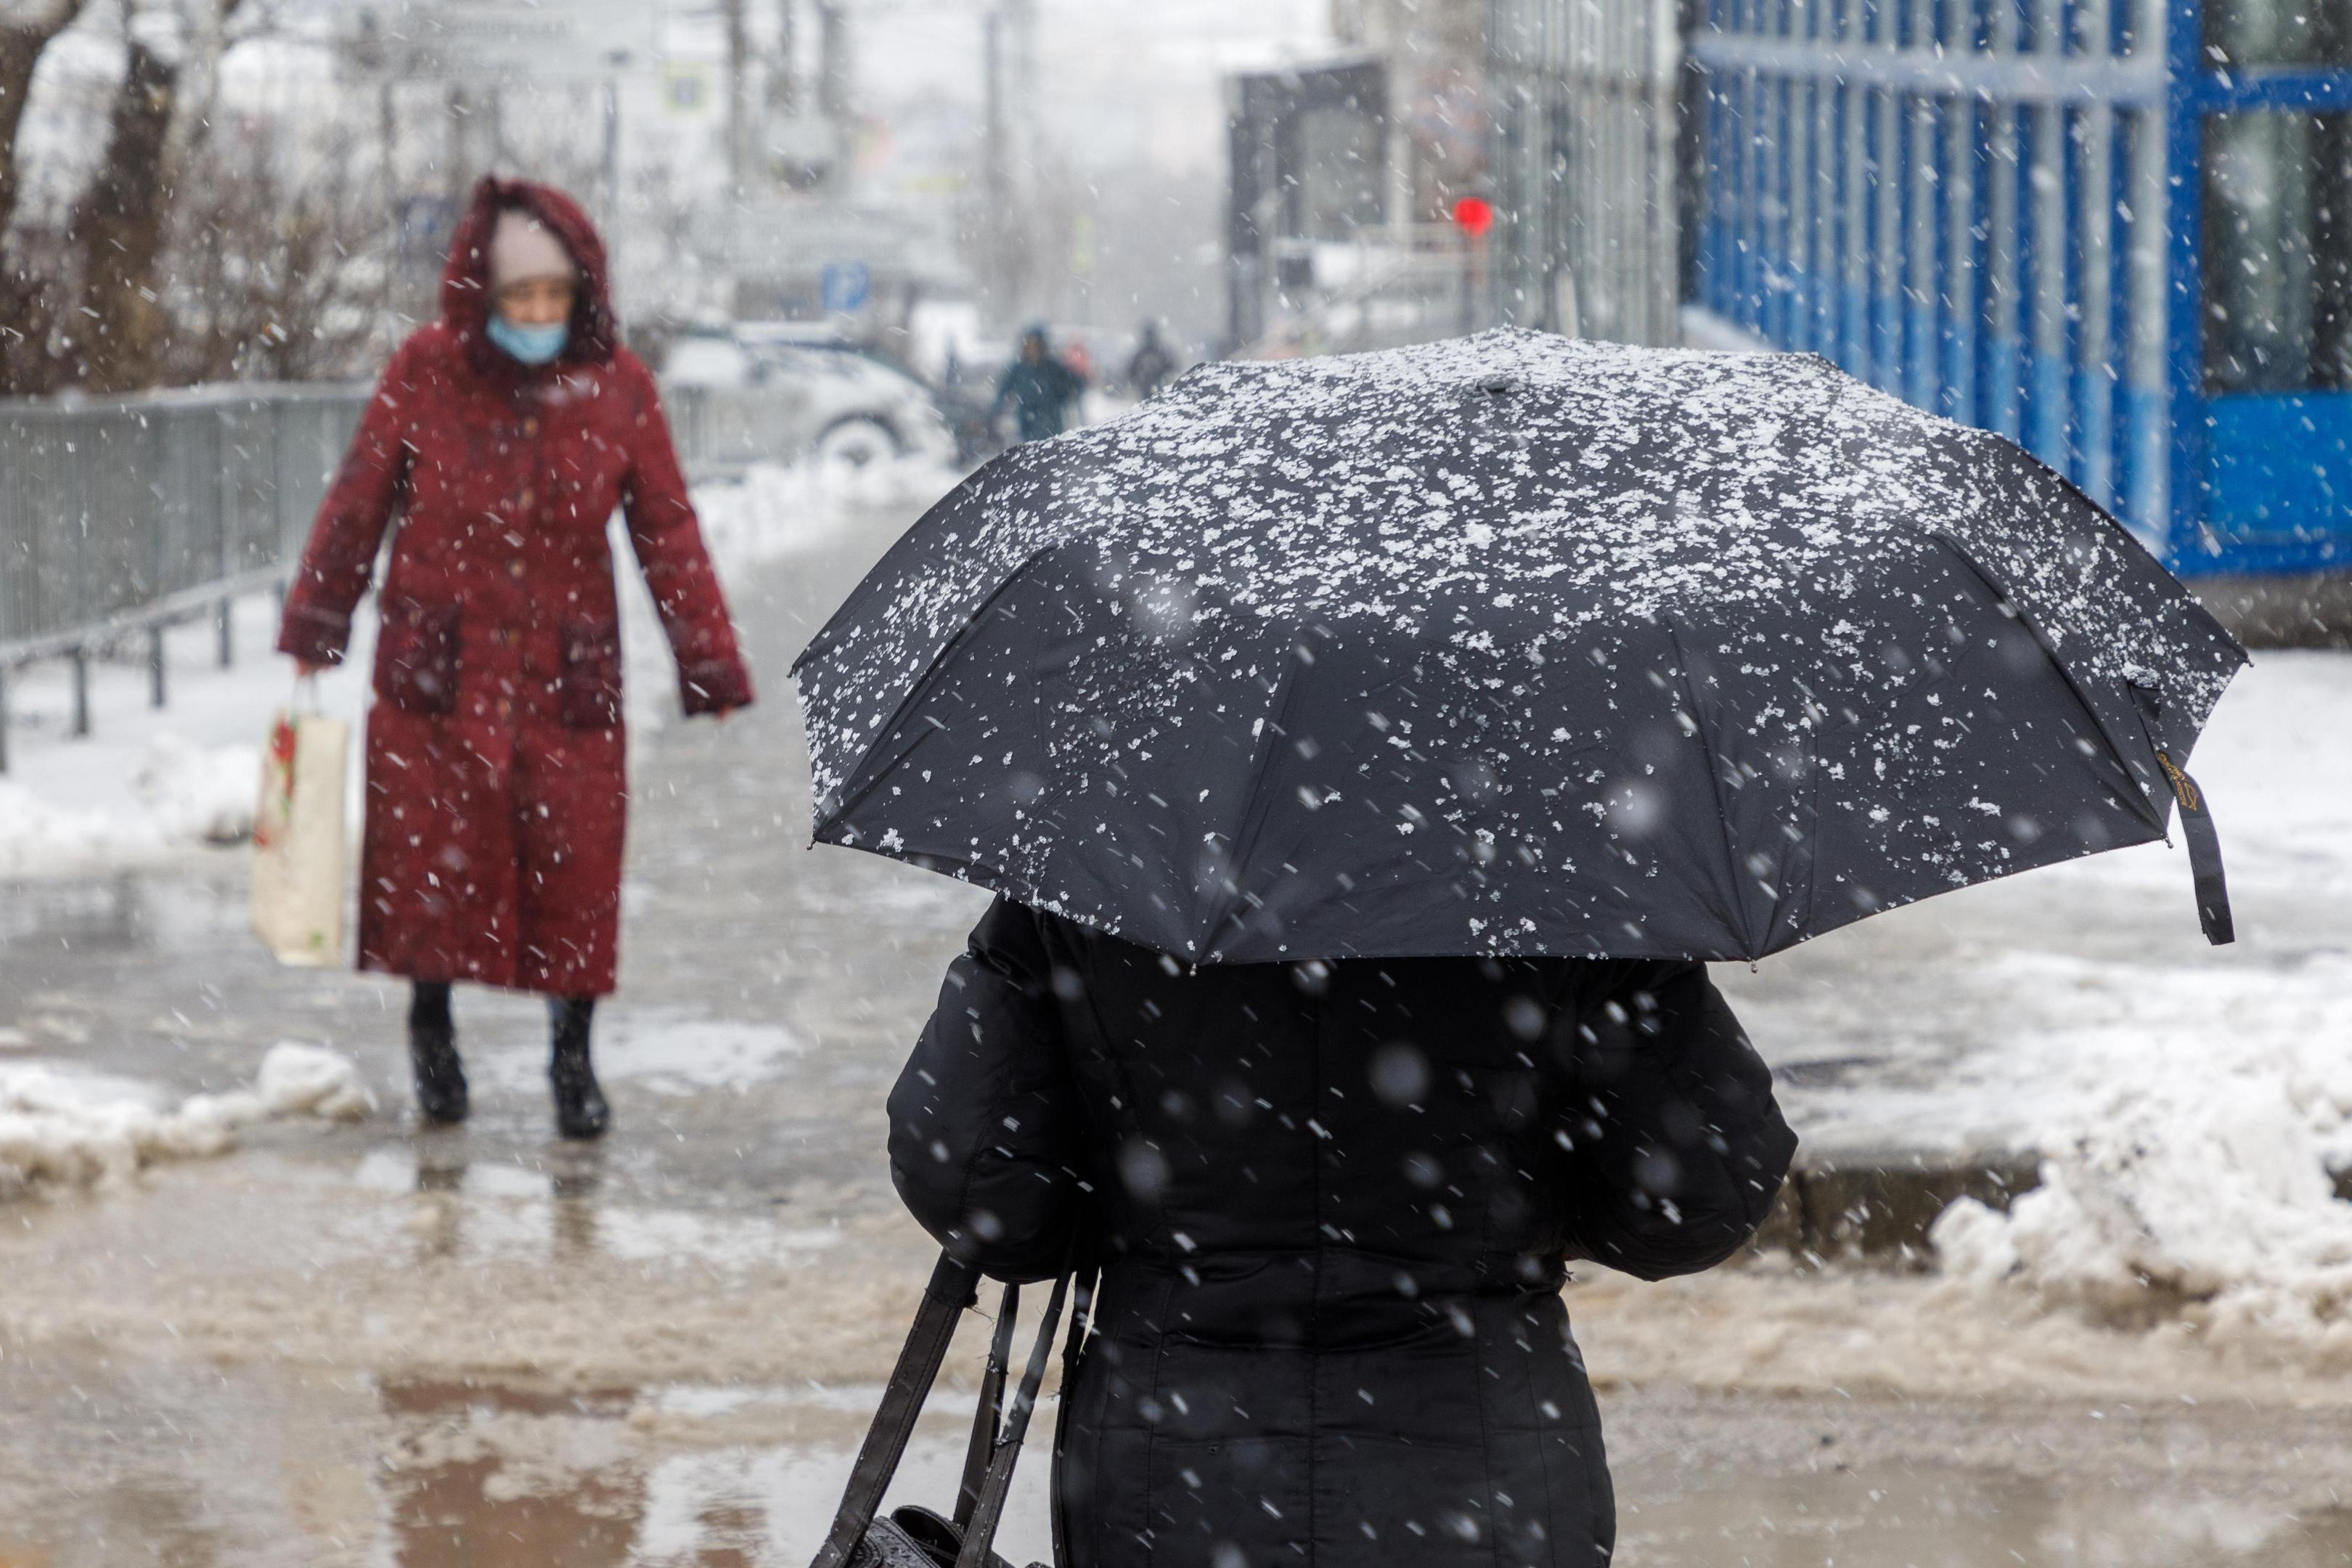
<point x="1876" y="1210"/>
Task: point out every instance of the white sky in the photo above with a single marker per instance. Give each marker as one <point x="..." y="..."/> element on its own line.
<point x="1119" y="78"/>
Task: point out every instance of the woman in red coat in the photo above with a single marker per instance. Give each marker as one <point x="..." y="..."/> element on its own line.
<point x="502" y="436"/>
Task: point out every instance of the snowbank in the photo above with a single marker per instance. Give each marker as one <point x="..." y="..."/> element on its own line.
<point x="149" y="784"/>
<point x="773" y="512"/>
<point x="2191" y="1120"/>
<point x="67" y="1125"/>
<point x="200" y="793"/>
<point x="179" y="793"/>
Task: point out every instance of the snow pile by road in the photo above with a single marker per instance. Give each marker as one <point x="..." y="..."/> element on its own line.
<point x="67" y="1125"/>
<point x="200" y="793"/>
<point x="2191" y="1120"/>
<point x="179" y="793"/>
<point x="776" y="512"/>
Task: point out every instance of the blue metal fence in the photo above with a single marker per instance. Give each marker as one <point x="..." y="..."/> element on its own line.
<point x="2117" y="231"/>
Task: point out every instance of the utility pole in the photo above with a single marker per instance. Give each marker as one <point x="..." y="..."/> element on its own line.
<point x="738" y="60"/>
<point x="783" y="73"/>
<point x="612" y="170"/>
<point x="994" y="184"/>
<point x="833" y="66"/>
<point x="386" y="127"/>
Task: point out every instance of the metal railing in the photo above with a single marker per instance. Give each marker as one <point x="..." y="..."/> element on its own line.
<point x="122" y="518"/>
<point x="126" y="516"/>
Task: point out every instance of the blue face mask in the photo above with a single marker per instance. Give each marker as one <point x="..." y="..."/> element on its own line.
<point x="531" y="345"/>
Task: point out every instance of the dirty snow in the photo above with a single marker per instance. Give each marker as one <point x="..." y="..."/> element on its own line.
<point x="2190" y="1122"/>
<point x="67" y="1125"/>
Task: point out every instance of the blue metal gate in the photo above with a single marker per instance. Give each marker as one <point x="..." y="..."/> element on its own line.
<point x="2117" y="231"/>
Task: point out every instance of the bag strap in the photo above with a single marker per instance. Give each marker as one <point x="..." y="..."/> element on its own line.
<point x="989" y="1411"/>
<point x="981" y="1534"/>
<point x="1081" y="1320"/>
<point x="953" y="1286"/>
<point x="2196" y="823"/>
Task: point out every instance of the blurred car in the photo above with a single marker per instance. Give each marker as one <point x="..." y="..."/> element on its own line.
<point x="782" y="392"/>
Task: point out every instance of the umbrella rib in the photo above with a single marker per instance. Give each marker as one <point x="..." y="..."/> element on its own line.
<point x="939" y="660"/>
<point x="1257" y="810"/>
<point x="2152" y="813"/>
<point x="1748" y="944"/>
<point x="829" y="636"/>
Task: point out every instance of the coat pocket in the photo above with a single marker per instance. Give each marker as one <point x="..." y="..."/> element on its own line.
<point x="416" y="668"/>
<point x="592" y="675"/>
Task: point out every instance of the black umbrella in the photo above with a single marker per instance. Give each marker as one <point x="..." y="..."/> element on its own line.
<point x="1510" y="644"/>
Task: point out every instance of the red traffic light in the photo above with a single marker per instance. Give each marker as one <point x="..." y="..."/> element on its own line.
<point x="1475" y="214"/>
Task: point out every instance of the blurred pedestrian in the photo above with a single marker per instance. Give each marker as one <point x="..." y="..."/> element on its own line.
<point x="1039" y="387"/>
<point x="1151" y="366"/>
<point x="503" y="436"/>
<point x="1334" y="1204"/>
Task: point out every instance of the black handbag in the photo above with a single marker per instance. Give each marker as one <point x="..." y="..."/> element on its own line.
<point x="912" y="1537"/>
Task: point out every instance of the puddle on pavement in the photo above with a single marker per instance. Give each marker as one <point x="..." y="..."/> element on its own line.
<point x="668" y="1051"/>
<point x="1906" y="1519"/>
<point x="259" y="1466"/>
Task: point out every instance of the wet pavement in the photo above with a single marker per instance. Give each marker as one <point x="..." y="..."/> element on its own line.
<point x="376" y="1345"/>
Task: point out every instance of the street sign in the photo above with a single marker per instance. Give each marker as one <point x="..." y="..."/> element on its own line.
<point x="686" y="89"/>
<point x="424" y="223"/>
<point x="844" y="287"/>
<point x="509" y="41"/>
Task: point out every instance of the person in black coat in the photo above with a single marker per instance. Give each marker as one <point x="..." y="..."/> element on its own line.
<point x="1334" y="1204"/>
<point x="1040" y="387"/>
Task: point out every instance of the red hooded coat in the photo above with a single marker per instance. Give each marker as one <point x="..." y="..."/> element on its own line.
<point x="497" y="788"/>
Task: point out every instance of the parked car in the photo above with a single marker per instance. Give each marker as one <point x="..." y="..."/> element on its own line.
<point x="782" y="392"/>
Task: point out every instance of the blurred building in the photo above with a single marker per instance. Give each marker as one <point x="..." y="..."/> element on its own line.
<point x="1344" y="176"/>
<point x="1430" y="53"/>
<point x="1593" y="151"/>
<point x="1309" y="191"/>
<point x="721" y="146"/>
<point x="2116" y="231"/>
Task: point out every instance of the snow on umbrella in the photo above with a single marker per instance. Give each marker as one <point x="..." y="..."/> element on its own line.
<point x="1509" y="645"/>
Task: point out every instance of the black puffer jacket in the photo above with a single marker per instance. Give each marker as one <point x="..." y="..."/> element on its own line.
<point x="1334" y="1205"/>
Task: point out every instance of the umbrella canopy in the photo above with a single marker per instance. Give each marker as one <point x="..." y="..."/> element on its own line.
<point x="1509" y="645"/>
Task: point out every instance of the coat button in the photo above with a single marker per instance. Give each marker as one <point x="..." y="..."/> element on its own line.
<point x="505" y="709"/>
<point x="524" y="499"/>
<point x="530" y="426"/>
<point x="514" y="569"/>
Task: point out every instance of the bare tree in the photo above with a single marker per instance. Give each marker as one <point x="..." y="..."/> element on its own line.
<point x="275" y="272"/>
<point x="172" y="54"/>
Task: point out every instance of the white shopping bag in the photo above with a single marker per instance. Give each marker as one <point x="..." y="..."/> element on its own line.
<point x="297" y="839"/>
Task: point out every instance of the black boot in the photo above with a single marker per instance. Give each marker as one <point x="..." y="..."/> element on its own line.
<point x="580" y="1109"/>
<point x="432" y="1055"/>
